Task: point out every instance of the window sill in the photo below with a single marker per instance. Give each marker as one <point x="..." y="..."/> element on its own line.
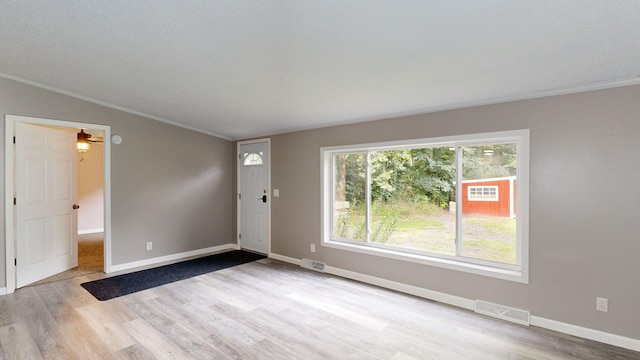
<point x="488" y="271"/>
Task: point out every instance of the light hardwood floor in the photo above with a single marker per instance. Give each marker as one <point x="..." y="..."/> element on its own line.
<point x="266" y="310"/>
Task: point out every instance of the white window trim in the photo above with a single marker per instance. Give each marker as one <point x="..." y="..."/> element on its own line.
<point x="518" y="274"/>
<point x="470" y="198"/>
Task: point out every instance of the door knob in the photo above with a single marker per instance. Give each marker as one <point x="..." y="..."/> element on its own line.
<point x="263" y="198"/>
<point x="76" y="206"/>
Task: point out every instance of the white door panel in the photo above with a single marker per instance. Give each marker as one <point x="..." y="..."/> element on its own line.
<point x="62" y="181"/>
<point x="35" y="191"/>
<point x="46" y="190"/>
<point x="62" y="235"/>
<point x="254" y="190"/>
<point x="35" y="230"/>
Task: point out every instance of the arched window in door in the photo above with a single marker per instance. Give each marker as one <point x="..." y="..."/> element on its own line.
<point x="252" y="159"/>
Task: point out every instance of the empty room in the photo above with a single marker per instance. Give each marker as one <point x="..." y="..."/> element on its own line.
<point x="320" y="179"/>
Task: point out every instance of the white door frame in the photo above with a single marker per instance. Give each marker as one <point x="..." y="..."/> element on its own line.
<point x="9" y="170"/>
<point x="239" y="185"/>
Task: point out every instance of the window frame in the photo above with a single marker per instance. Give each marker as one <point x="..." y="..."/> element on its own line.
<point x="517" y="273"/>
<point x="482" y="195"/>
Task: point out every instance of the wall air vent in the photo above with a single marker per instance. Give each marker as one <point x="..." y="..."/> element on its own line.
<point x="517" y="316"/>
<point x="313" y="265"/>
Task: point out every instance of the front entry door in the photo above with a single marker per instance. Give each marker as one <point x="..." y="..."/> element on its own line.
<point x="254" y="197"/>
<point x="46" y="191"/>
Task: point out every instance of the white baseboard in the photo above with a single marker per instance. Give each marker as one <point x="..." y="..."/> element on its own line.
<point x="407" y="289"/>
<point x="586" y="333"/>
<point x="3" y="291"/>
<point x="90" y="231"/>
<point x="286" y="259"/>
<point x="172" y="258"/>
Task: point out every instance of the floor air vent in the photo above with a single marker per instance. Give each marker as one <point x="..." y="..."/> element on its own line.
<point x="502" y="312"/>
<point x="313" y="265"/>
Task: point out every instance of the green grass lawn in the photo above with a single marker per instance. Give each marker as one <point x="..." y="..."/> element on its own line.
<point x="405" y="225"/>
<point x="494" y="225"/>
<point x="418" y="223"/>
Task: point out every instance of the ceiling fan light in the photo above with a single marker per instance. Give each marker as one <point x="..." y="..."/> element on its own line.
<point x="83" y="145"/>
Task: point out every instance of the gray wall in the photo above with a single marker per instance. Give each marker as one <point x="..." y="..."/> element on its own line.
<point x="584" y="204"/>
<point x="169" y="185"/>
<point x="175" y="187"/>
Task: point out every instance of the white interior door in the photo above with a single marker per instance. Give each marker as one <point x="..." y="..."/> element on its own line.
<point x="254" y="197"/>
<point x="46" y="191"/>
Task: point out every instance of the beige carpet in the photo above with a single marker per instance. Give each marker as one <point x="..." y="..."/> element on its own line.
<point x="90" y="259"/>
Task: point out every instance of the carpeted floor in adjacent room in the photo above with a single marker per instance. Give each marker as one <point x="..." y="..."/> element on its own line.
<point x="90" y="259"/>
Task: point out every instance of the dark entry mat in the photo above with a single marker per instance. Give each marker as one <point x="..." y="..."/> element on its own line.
<point x="113" y="287"/>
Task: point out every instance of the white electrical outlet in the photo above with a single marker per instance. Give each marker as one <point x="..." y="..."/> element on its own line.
<point x="149" y="245"/>
<point x="602" y="304"/>
<point x="313" y="247"/>
<point x="276" y="192"/>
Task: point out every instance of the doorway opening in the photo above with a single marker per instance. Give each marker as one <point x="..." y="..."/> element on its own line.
<point x="92" y="203"/>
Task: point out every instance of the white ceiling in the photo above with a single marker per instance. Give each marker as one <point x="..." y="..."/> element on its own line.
<point x="242" y="68"/>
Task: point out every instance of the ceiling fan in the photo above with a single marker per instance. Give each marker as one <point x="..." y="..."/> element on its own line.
<point x="85" y="140"/>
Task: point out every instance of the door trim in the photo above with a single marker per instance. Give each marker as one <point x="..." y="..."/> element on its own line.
<point x="9" y="170"/>
<point x="238" y="187"/>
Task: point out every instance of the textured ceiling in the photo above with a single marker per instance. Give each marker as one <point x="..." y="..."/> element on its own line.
<point x="242" y="68"/>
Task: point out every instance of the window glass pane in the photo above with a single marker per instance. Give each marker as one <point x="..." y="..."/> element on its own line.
<point x="420" y="202"/>
<point x="349" y="205"/>
<point x="482" y="193"/>
<point x="488" y="203"/>
<point x="411" y="191"/>
<point x="252" y="159"/>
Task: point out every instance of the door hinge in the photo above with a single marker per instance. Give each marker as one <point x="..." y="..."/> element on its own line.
<point x="14" y="139"/>
<point x="239" y="196"/>
<point x="15" y="262"/>
<point x="239" y="155"/>
<point x="239" y="236"/>
<point x="15" y="201"/>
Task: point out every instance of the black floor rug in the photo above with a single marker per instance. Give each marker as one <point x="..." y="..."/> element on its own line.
<point x="113" y="287"/>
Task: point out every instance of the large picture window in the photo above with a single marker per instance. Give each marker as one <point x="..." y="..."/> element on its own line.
<point x="455" y="202"/>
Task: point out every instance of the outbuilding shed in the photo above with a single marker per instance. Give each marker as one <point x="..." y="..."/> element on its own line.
<point x="492" y="197"/>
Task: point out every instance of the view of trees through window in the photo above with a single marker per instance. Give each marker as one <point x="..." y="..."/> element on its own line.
<point x="406" y="198"/>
